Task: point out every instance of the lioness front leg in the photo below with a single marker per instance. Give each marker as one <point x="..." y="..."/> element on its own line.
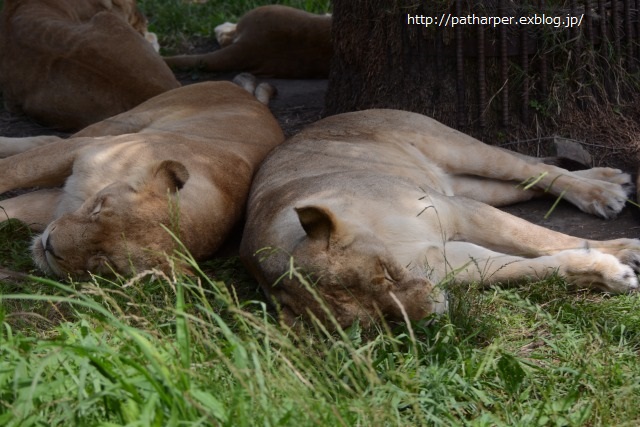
<point x="471" y="221"/>
<point x="36" y="209"/>
<point x="585" y="268"/>
<point x="44" y="166"/>
<point x="12" y="146"/>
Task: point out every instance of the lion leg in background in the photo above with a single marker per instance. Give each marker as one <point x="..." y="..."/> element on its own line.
<point x="112" y="126"/>
<point x="499" y="231"/>
<point x="44" y="166"/>
<point x="585" y="268"/>
<point x="12" y="146"/>
<point x="234" y="57"/>
<point x="35" y="209"/>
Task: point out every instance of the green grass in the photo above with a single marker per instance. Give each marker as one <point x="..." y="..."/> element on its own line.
<point x="206" y="350"/>
<point x="185" y="351"/>
<point x="162" y="351"/>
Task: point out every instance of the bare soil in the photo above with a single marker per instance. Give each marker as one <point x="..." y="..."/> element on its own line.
<point x="300" y="102"/>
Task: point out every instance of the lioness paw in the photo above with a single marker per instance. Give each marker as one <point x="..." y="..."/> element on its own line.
<point x="225" y="33"/>
<point x="626" y="250"/>
<point x="631" y="258"/>
<point x="615" y="176"/>
<point x="596" y="270"/>
<point x="604" y="199"/>
<point x="153" y="39"/>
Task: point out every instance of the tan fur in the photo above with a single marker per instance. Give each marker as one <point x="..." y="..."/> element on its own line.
<point x="375" y="208"/>
<point x="183" y="160"/>
<point x="71" y="63"/>
<point x="269" y="41"/>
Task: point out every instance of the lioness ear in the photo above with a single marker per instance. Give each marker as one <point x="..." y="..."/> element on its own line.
<point x="170" y="175"/>
<point x="320" y="223"/>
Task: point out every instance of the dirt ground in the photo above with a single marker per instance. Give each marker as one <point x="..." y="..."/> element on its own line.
<point x="300" y="102"/>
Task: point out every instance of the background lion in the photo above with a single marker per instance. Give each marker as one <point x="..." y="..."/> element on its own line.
<point x="71" y="63"/>
<point x="269" y="41"/>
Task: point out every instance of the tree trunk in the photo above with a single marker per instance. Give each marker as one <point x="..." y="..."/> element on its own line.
<point x="498" y="83"/>
<point x="382" y="61"/>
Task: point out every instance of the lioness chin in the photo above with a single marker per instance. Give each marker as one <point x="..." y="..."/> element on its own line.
<point x="375" y="208"/>
<point x="178" y="166"/>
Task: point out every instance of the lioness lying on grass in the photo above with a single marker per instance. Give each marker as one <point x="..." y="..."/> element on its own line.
<point x="269" y="41"/>
<point x="375" y="208"/>
<point x="180" y="162"/>
<point x="71" y="63"/>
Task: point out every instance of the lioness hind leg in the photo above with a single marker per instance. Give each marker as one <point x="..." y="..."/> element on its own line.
<point x="466" y="156"/>
<point x="503" y="193"/>
<point x="490" y="191"/>
<point x="585" y="268"/>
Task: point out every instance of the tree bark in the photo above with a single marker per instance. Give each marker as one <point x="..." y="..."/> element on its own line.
<point x="383" y="58"/>
<point x="498" y="83"/>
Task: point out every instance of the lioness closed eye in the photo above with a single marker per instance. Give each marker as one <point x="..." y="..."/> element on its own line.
<point x="180" y="162"/>
<point x="376" y="207"/>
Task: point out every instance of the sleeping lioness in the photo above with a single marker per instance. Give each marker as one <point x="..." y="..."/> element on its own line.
<point x="269" y="41"/>
<point x="375" y="208"/>
<point x="181" y="162"/>
<point x="71" y="63"/>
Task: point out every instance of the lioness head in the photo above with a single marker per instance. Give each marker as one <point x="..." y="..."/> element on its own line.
<point x="352" y="271"/>
<point x="118" y="229"/>
<point x="128" y="10"/>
